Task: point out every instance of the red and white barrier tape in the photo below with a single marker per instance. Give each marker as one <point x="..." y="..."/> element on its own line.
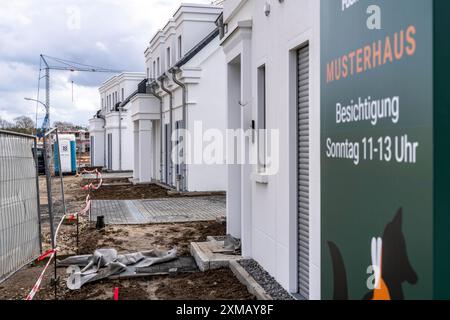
<point x="52" y="252"/>
<point x="89" y="172"/>
<point x="73" y="216"/>
<point x="82" y="212"/>
<point x="91" y="186"/>
<point x="37" y="286"/>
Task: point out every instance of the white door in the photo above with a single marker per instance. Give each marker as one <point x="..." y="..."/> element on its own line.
<point x="66" y="160"/>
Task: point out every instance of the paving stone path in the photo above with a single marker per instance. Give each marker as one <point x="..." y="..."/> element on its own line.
<point x="121" y="212"/>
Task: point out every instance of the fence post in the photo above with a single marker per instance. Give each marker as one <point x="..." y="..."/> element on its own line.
<point x="61" y="174"/>
<point x="38" y="196"/>
<point x="49" y="192"/>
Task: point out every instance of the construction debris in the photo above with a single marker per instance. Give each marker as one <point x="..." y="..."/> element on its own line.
<point x="216" y="253"/>
<point x="105" y="263"/>
<point x="229" y="245"/>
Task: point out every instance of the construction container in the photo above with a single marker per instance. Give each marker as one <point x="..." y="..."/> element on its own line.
<point x="68" y="150"/>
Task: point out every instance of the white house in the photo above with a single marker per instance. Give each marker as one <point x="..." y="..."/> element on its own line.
<point x="186" y="68"/>
<point x="272" y="53"/>
<point x="111" y="128"/>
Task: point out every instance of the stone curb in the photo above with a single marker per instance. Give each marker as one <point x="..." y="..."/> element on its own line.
<point x="246" y="279"/>
<point x="201" y="260"/>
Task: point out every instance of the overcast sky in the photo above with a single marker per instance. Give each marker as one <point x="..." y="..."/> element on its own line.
<point x="107" y="33"/>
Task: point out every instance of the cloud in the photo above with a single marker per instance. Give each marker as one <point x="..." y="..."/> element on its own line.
<point x="101" y="46"/>
<point x="107" y="33"/>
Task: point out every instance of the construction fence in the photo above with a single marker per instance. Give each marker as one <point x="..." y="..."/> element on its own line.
<point x="20" y="218"/>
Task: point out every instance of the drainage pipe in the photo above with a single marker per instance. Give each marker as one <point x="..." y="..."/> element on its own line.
<point x="174" y="72"/>
<point x="163" y="87"/>
<point x="120" y="137"/>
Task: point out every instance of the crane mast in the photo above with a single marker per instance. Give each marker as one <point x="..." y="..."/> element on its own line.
<point x="57" y="64"/>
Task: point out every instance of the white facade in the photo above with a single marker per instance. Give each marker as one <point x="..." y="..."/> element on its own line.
<point x="112" y="130"/>
<point x="97" y="132"/>
<point x="263" y="209"/>
<point x="175" y="51"/>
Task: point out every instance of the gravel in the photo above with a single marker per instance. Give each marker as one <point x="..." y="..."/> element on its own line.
<point x="265" y="280"/>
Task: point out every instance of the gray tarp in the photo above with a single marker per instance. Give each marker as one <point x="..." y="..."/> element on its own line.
<point x="107" y="262"/>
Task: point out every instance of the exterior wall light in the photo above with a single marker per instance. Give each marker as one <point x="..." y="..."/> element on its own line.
<point x="267" y="9"/>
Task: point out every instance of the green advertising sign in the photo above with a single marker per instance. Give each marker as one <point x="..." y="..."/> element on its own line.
<point x="379" y="157"/>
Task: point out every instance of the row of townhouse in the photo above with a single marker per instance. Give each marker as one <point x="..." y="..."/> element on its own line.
<point x="183" y="84"/>
<point x="111" y="128"/>
<point x="342" y="205"/>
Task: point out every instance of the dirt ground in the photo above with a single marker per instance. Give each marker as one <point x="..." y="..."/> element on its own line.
<point x="213" y="285"/>
<point x="125" y="192"/>
<point x="128" y="239"/>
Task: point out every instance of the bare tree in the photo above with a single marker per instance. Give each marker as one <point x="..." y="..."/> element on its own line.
<point x="24" y="124"/>
<point x="64" y="126"/>
<point x="4" y="124"/>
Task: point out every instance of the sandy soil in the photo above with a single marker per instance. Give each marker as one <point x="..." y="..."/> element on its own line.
<point x="127" y="239"/>
<point x="211" y="285"/>
<point x="129" y="192"/>
<point x="218" y="284"/>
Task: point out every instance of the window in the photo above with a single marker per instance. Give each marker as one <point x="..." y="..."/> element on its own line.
<point x="168" y="59"/>
<point x="159" y="67"/>
<point x="262" y="120"/>
<point x="154" y="69"/>
<point x="123" y="95"/>
<point x="180" y="47"/>
<point x="111" y="101"/>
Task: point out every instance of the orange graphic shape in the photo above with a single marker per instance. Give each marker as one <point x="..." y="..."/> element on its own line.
<point x="382" y="294"/>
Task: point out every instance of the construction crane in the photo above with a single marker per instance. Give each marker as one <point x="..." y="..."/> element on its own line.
<point x="48" y="63"/>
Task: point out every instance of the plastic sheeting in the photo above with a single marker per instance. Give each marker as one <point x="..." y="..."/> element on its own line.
<point x="105" y="263"/>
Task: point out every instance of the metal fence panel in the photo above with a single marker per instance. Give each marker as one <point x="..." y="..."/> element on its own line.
<point x="20" y="239"/>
